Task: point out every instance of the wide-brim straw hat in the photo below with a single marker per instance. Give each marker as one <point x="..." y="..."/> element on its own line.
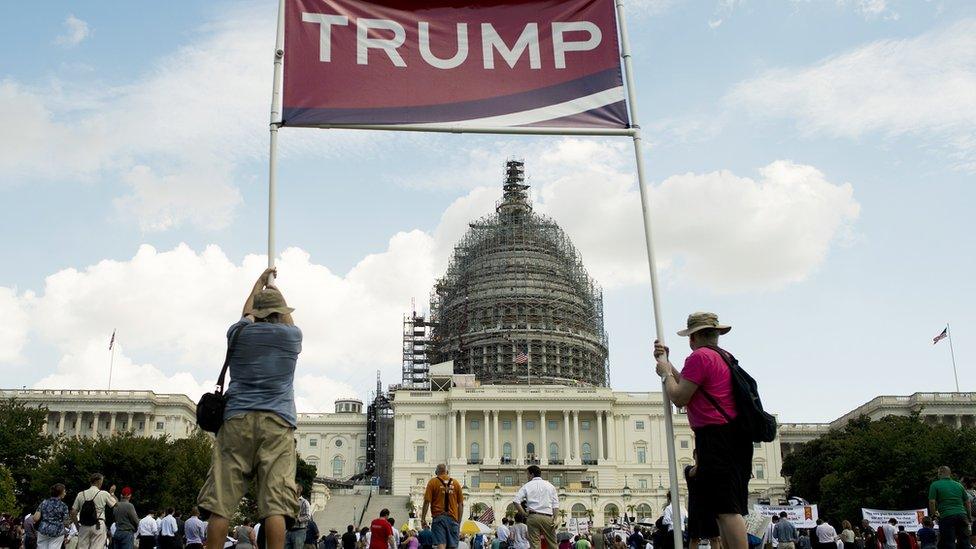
<point x="704" y="321"/>
<point x="270" y="300"/>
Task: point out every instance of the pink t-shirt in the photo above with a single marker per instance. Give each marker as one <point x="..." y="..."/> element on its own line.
<point x="705" y="368"/>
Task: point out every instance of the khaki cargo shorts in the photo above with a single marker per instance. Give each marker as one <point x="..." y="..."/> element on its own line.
<point x="259" y="446"/>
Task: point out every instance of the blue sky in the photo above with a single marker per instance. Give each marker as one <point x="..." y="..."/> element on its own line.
<point x="811" y="163"/>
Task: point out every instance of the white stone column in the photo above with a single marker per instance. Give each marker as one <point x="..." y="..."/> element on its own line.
<point x="128" y="423"/>
<point x="544" y="450"/>
<point x="599" y="436"/>
<point x="111" y="423"/>
<point x="498" y="448"/>
<point x="464" y="437"/>
<point x="576" y="434"/>
<point x="452" y="436"/>
<point x="567" y="441"/>
<point x="520" y="452"/>
<point x="486" y="429"/>
<point x="147" y="425"/>
<point x="77" y="424"/>
<point x="611" y="436"/>
<point x="47" y="419"/>
<point x="61" y="423"/>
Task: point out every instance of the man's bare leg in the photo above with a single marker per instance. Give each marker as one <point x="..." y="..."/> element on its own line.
<point x="733" y="529"/>
<point x="217" y="531"/>
<point x="716" y="543"/>
<point x="274" y="532"/>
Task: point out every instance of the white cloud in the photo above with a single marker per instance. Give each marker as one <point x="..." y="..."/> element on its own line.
<point x="13" y="336"/>
<point x="920" y="87"/>
<point x="179" y="135"/>
<point x="75" y="32"/>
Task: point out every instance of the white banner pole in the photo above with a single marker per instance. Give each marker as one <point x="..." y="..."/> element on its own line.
<point x="652" y="267"/>
<point x="275" y="123"/>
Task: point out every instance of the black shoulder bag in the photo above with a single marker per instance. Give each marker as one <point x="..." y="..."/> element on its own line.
<point x="210" y="409"/>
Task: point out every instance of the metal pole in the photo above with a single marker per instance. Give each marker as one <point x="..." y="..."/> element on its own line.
<point x="652" y="267"/>
<point x="275" y="123"/>
<point x="111" y="361"/>
<point x="953" y="355"/>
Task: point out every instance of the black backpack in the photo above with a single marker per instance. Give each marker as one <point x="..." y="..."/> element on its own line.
<point x="88" y="516"/>
<point x="760" y="425"/>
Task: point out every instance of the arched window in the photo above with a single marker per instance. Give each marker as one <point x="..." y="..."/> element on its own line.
<point x="475" y="451"/>
<point x="338" y="464"/>
<point x="587" y="454"/>
<point x="553" y="451"/>
<point x="579" y="511"/>
<point x="644" y="512"/>
<point x="530" y="449"/>
<point x="507" y="450"/>
<point x="610" y="513"/>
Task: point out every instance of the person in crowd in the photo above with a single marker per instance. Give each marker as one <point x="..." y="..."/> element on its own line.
<point x="567" y="543"/>
<point x="147" y="531"/>
<point x="396" y="533"/>
<point x="92" y="529"/>
<point x="29" y="536"/>
<point x="904" y="539"/>
<point x="502" y="531"/>
<point x="847" y="534"/>
<point x="444" y="500"/>
<point x="257" y="437"/>
<point x="541" y="507"/>
<point x="724" y="449"/>
<point x="618" y="542"/>
<point x="582" y="542"/>
<point x="463" y="542"/>
<point x="784" y="533"/>
<point x="381" y="533"/>
<point x="701" y="523"/>
<point x="126" y="521"/>
<point x="870" y="541"/>
<point x="518" y="533"/>
<point x="890" y="534"/>
<point x="168" y="530"/>
<point x="349" y="538"/>
<point x="331" y="541"/>
<point x="71" y="536"/>
<point x="597" y="540"/>
<point x="297" y="537"/>
<point x="928" y="538"/>
<point x="769" y="538"/>
<point x="426" y="537"/>
<point x="951" y="505"/>
<point x="50" y="518"/>
<point x="196" y="530"/>
<point x="803" y="540"/>
<point x="363" y="539"/>
<point x="826" y="535"/>
<point x="245" y="536"/>
<point x="636" y="538"/>
<point x="311" y="540"/>
<point x="411" y="541"/>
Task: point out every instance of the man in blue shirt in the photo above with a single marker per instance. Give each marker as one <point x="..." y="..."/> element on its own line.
<point x="257" y="438"/>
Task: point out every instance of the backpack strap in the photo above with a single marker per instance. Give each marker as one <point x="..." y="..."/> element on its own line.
<point x="230" y="349"/>
<point x="447" y="490"/>
<point x="728" y="359"/>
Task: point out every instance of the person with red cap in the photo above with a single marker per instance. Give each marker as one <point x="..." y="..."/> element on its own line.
<point x="126" y="521"/>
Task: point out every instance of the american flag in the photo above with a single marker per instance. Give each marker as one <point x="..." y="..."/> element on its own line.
<point x="940" y="337"/>
<point x="487" y="516"/>
<point x="521" y="357"/>
<point x="111" y="342"/>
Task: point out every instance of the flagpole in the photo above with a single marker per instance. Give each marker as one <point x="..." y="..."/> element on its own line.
<point x="275" y="123"/>
<point x="111" y="360"/>
<point x="952" y="354"/>
<point x="651" y="265"/>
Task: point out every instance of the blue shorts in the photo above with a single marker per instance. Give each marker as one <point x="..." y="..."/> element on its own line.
<point x="446" y="530"/>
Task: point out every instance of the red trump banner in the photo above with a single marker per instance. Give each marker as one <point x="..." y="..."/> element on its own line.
<point x="453" y="63"/>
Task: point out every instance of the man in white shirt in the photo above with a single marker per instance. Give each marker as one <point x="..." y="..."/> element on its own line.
<point x="147" y="531"/>
<point x="503" y="531"/>
<point x="167" y="530"/>
<point x="890" y="534"/>
<point x="196" y="530"/>
<point x="538" y="500"/>
<point x="668" y="518"/>
<point x="826" y="535"/>
<point x="91" y="530"/>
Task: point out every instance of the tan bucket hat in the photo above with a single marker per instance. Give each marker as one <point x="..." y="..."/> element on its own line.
<point x="703" y="321"/>
<point x="270" y="300"/>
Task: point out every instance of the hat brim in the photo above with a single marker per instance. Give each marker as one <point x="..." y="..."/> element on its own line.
<point x="262" y="313"/>
<point x="722" y="329"/>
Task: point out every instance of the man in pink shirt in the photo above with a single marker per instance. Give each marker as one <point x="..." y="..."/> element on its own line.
<point x="704" y="387"/>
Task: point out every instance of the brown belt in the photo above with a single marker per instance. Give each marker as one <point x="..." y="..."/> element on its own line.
<point x="538" y="513"/>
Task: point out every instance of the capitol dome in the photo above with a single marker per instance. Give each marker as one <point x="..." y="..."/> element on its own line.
<point x="516" y="305"/>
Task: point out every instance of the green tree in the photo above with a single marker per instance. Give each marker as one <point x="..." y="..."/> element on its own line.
<point x="22" y="445"/>
<point x="884" y="464"/>
<point x="305" y="475"/>
<point x="8" y="497"/>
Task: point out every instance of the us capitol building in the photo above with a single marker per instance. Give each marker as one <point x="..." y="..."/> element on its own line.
<point x="509" y="369"/>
